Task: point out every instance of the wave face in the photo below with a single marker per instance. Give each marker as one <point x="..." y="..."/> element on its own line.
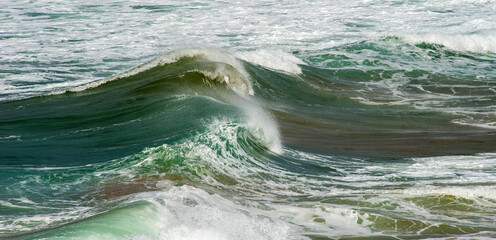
<point x="352" y="120"/>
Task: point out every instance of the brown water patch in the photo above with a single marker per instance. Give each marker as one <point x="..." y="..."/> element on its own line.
<point x="338" y="138"/>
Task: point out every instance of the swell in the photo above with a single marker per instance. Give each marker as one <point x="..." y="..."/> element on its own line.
<point x="183" y="136"/>
<point x="153" y="104"/>
<point x="182" y="120"/>
<point x="342" y="103"/>
<point x="225" y="157"/>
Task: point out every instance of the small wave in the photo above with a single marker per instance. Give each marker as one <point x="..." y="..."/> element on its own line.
<point x="477" y="42"/>
<point x="486" y="125"/>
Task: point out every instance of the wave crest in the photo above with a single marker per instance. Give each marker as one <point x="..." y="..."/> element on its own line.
<point x="477" y="42"/>
<point x="273" y="59"/>
<point x="222" y="68"/>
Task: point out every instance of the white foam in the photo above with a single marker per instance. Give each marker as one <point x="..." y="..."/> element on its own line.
<point x="40" y="221"/>
<point x="483" y="235"/>
<point x="476" y="42"/>
<point x="273" y="59"/>
<point x="469" y="162"/>
<point x="486" y="192"/>
<point x="487" y="125"/>
<point x="216" y="152"/>
<point x="10" y="137"/>
<point x="191" y="213"/>
<point x="21" y="202"/>
<point x="321" y="218"/>
<point x="11" y="205"/>
<point x="49" y="168"/>
<point x="262" y="125"/>
<point x="24" y="200"/>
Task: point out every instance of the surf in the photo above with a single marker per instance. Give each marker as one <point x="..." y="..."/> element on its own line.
<point x="208" y="132"/>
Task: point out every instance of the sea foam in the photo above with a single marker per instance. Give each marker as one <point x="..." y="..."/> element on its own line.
<point x="181" y="212"/>
<point x="273" y="59"/>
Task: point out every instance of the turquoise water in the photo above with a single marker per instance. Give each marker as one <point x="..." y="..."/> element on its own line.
<point x="262" y="120"/>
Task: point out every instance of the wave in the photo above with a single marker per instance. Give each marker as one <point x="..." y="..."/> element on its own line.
<point x="200" y="142"/>
<point x="189" y="120"/>
<point x="201" y="190"/>
<point x="180" y="212"/>
<point x="217" y="66"/>
<point x="484" y="42"/>
<point x="160" y="101"/>
<point x="181" y="90"/>
<point x="223" y="155"/>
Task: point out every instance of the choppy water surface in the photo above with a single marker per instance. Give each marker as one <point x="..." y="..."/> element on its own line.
<point x="248" y="120"/>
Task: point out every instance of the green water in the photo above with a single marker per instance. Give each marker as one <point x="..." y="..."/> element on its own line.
<point x="371" y="141"/>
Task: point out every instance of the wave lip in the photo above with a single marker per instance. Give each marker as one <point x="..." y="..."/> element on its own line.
<point x="273" y="59"/>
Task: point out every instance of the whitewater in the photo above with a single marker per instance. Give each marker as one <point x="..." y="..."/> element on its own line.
<point x="248" y="120"/>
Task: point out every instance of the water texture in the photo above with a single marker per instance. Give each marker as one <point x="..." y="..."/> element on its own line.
<point x="248" y="120"/>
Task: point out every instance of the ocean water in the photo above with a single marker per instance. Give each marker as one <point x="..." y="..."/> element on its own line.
<point x="248" y="120"/>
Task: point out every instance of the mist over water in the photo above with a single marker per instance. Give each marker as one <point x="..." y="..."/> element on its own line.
<point x="248" y="120"/>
